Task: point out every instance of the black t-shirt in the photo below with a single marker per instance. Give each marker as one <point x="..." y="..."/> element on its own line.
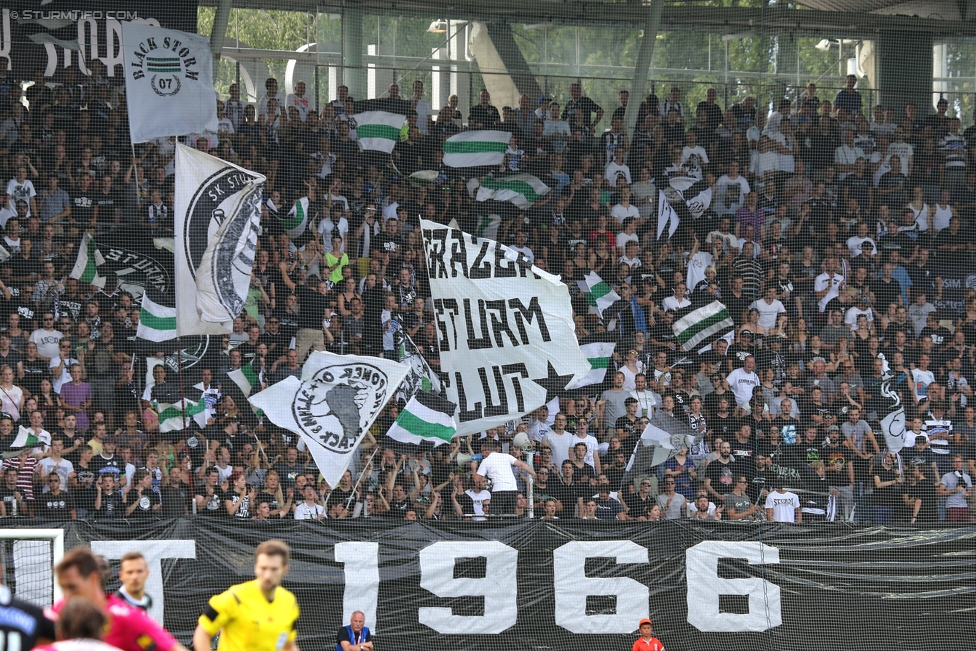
<point x="175" y="500"/>
<point x="9" y="498"/>
<point x="722" y="476"/>
<point x="213" y="503"/>
<point x="888" y="495"/>
<point x="112" y="506"/>
<point x="745" y="457"/>
<point x="627" y="425"/>
<point x="24" y="624"/>
<point x="924" y="490"/>
<point x="83" y="207"/>
<point x="637" y="505"/>
<point x="144" y="510"/>
<point x="313" y="306"/>
<point x="54" y="507"/>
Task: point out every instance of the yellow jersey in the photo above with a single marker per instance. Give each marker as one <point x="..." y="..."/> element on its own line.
<point x="248" y="621"/>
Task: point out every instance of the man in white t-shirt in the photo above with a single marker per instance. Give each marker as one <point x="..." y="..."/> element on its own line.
<point x="299" y="101"/>
<point x="497" y="466"/>
<point x="903" y="150"/>
<point x="694" y="156"/>
<point x="742" y="381"/>
<point x="782" y="505"/>
<point x="769" y="308"/>
<point x="731" y="190"/>
<point x="827" y="285"/>
<point x="421" y="106"/>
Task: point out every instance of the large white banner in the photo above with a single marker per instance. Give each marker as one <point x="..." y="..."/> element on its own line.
<point x="333" y="405"/>
<point x="218" y="215"/>
<point x="505" y="328"/>
<point x="168" y="82"/>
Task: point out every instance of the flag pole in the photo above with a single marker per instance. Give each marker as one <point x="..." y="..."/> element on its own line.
<point x="179" y="376"/>
<point x="358" y="481"/>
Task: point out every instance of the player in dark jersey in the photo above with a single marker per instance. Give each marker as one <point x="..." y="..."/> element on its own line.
<point x="23" y="625"/>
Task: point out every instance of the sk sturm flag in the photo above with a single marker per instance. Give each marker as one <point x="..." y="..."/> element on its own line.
<point x="702" y="324"/>
<point x="218" y="214"/>
<point x="157" y="320"/>
<point x="168" y="82"/>
<point x="425" y="422"/>
<point x="598" y="294"/>
<point x="378" y="130"/>
<point x="88" y="262"/>
<point x="333" y="406"/>
<point x="476" y="148"/>
<point x="522" y="190"/>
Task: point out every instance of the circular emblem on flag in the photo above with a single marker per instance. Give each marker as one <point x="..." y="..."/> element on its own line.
<point x="227" y="196"/>
<point x="337" y="403"/>
<point x="351" y="121"/>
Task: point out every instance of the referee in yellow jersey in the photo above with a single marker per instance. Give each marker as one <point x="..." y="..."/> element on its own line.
<point x="258" y="615"/>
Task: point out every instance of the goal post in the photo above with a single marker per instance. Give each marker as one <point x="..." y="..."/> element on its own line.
<point x="29" y="557"/>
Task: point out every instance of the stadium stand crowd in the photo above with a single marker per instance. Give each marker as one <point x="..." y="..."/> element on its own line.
<point x="831" y="229"/>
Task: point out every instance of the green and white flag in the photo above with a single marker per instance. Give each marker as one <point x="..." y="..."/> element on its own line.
<point x="296" y="221"/>
<point x="598" y="294"/>
<point x="378" y="130"/>
<point x="88" y="261"/>
<point x="523" y="190"/>
<point x="176" y="416"/>
<point x="247" y="381"/>
<point x="702" y="324"/>
<point x="25" y="439"/>
<point x="476" y="148"/>
<point x="599" y="355"/>
<point x="157" y="322"/>
<point x="488" y="226"/>
<point x="426" y="419"/>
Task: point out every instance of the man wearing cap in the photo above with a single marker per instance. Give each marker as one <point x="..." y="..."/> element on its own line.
<point x="647" y="641"/>
<point x="497" y="466"/>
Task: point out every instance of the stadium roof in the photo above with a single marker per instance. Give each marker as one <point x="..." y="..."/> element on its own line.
<point x="833" y="18"/>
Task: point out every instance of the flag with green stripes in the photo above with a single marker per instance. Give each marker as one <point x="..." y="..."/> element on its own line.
<point x="599" y="354"/>
<point x="426" y="421"/>
<point x="476" y="148"/>
<point x="247" y="380"/>
<point x="157" y="319"/>
<point x="702" y="324"/>
<point x="177" y="416"/>
<point x="296" y="221"/>
<point x="523" y="190"/>
<point x="88" y="261"/>
<point x="597" y="293"/>
<point x="378" y="130"/>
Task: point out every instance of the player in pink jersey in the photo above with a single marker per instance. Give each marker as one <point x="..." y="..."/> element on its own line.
<point x="130" y="629"/>
<point x="79" y="628"/>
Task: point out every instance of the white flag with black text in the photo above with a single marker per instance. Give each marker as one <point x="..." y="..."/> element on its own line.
<point x="168" y="82"/>
<point x="507" y="339"/>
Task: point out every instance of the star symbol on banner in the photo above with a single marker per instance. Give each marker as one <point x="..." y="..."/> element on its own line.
<point x="553" y="383"/>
